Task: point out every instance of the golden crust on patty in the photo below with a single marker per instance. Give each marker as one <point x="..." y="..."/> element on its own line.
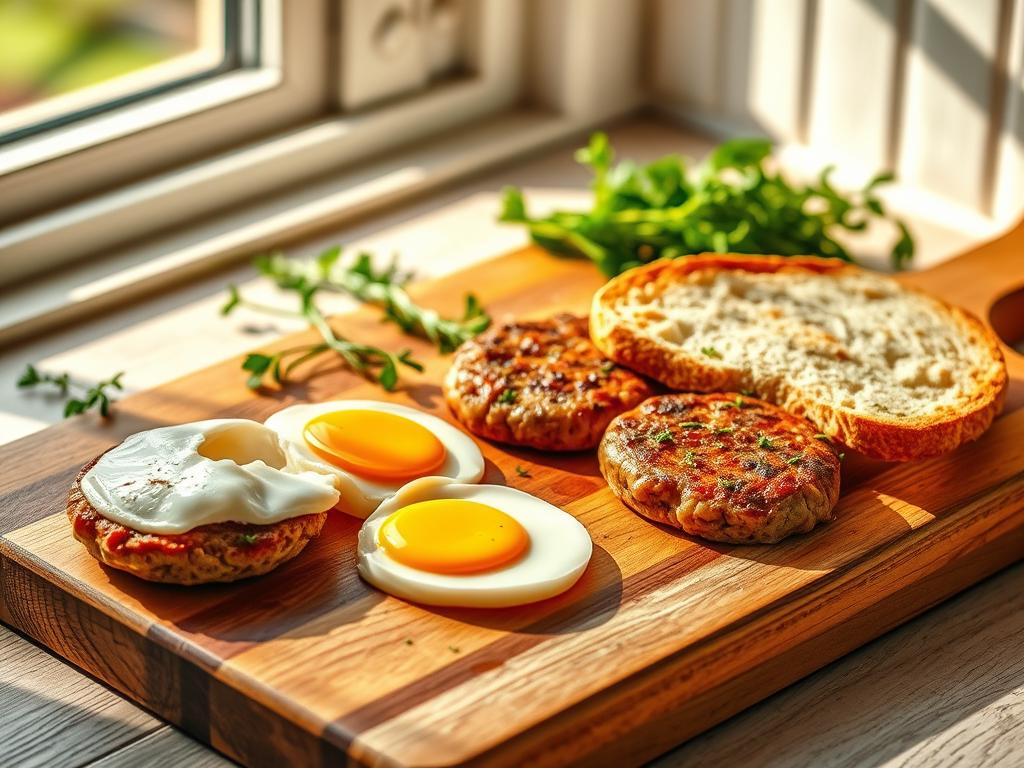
<point x="210" y="553"/>
<point x="724" y="467"/>
<point x="541" y="384"/>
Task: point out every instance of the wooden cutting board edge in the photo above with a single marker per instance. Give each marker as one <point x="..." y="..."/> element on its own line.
<point x="659" y="694"/>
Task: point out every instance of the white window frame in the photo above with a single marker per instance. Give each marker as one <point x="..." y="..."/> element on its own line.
<point x="540" y="71"/>
<point x="96" y="153"/>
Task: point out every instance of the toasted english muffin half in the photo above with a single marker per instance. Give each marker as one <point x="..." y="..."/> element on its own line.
<point x="888" y="371"/>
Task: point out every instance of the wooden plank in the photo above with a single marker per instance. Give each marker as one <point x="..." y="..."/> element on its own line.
<point x="943" y="691"/>
<point x="54" y="715"/>
<point x="663" y="637"/>
<point x="164" y="748"/>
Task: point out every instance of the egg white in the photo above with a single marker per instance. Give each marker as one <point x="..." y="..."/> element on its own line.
<point x="360" y="496"/>
<point x="559" y="551"/>
<point x="164" y="481"/>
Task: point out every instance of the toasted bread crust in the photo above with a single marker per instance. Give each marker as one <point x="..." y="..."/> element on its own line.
<point x="221" y="552"/>
<point x="881" y="437"/>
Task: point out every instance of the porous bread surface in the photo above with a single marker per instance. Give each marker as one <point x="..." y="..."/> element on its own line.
<point x="845" y="347"/>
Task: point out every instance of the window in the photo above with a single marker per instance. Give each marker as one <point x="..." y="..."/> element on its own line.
<point x="329" y="107"/>
<point x="61" y="61"/>
<point x="195" y="104"/>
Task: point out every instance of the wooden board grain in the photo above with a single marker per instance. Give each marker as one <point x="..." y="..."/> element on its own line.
<point x="663" y="636"/>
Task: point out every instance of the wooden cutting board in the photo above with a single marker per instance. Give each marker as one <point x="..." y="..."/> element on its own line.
<point x="663" y="637"/>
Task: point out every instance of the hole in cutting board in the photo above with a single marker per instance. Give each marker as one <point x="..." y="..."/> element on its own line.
<point x="1007" y="319"/>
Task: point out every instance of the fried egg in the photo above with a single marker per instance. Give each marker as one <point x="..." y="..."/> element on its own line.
<point x="372" y="449"/>
<point x="442" y="543"/>
<point x="173" y="479"/>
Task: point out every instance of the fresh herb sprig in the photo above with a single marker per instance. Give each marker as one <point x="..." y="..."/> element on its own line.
<point x="96" y="396"/>
<point x="385" y="288"/>
<point x="361" y="280"/>
<point x="374" y="363"/>
<point x="735" y="202"/>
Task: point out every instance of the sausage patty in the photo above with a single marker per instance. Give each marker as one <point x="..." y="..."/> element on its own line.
<point x="541" y="384"/>
<point x="209" y="553"/>
<point x="721" y="466"/>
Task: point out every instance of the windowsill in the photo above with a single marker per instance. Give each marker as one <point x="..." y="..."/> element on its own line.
<point x="71" y="292"/>
<point x="139" y="117"/>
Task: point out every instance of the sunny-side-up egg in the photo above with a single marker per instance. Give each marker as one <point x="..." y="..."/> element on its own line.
<point x="474" y="546"/>
<point x="372" y="449"/>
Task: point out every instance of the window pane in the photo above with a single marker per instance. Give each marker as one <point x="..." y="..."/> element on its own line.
<point x="64" y="59"/>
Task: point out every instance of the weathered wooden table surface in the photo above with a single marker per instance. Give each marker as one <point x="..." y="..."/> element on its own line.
<point x="944" y="689"/>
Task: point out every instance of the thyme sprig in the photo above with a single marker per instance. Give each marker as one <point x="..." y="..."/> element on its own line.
<point x="383" y="288"/>
<point x="95" y="396"/>
<point x="374" y="363"/>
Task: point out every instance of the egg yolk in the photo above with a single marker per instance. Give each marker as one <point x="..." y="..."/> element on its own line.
<point x="375" y="444"/>
<point x="453" y="536"/>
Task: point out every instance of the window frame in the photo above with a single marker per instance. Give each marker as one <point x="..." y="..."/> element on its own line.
<point x="544" y="62"/>
<point x="285" y="84"/>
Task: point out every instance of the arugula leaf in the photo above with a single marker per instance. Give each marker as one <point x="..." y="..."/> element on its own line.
<point x="734" y="202"/>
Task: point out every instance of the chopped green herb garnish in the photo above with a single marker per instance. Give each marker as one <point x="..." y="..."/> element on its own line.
<point x="842" y="456"/>
<point x="692" y="425"/>
<point x="665" y="436"/>
<point x="248" y="539"/>
<point x="730" y="485"/>
<point x="710" y="352"/>
<point x="823" y="437"/>
<point x="508" y="396"/>
<point x="737" y="403"/>
<point x="690" y="459"/>
<point x="522" y="472"/>
<point x="795" y="459"/>
<point x="608" y="367"/>
<point x="763" y="441"/>
<point x="748" y="392"/>
<point x="725" y="430"/>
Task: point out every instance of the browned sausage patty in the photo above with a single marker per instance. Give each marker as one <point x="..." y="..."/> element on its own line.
<point x="722" y="466"/>
<point x="209" y="553"/>
<point x="540" y="383"/>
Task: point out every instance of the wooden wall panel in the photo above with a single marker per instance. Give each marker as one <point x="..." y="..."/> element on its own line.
<point x="684" y="58"/>
<point x="950" y="132"/>
<point x="855" y="76"/>
<point x="1008" y="203"/>
<point x="933" y="89"/>
<point x="766" y="50"/>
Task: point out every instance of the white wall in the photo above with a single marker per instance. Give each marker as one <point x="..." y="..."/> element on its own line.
<point x="933" y="89"/>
